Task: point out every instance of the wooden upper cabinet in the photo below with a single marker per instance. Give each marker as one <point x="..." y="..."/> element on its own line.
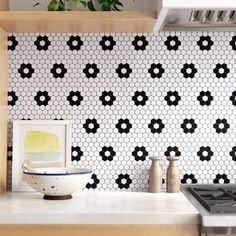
<point x="3" y="110"/>
<point x="4" y="5"/>
<point x="76" y="21"/>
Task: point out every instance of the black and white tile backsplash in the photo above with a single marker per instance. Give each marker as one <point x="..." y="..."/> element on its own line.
<point x="130" y="96"/>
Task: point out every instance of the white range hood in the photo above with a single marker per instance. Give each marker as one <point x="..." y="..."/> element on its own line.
<point x="196" y="15"/>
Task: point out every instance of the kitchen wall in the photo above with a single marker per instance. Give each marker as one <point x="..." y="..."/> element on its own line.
<point x="130" y="96"/>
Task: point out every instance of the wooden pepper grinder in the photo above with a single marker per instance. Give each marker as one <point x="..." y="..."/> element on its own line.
<point x="173" y="176"/>
<point x="155" y="175"/>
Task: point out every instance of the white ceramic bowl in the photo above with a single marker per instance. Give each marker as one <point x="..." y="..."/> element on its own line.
<point x="57" y="183"/>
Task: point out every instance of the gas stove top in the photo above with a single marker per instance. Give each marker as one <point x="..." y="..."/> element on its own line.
<point x="216" y="199"/>
<point x="216" y="204"/>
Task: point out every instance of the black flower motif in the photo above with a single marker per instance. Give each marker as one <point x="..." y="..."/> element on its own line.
<point x="205" y="153"/>
<point x="12" y="98"/>
<point x="221" y="126"/>
<point x="190" y="177"/>
<point x="9" y="153"/>
<point x="123" y="126"/>
<point x="205" y="43"/>
<point x="188" y="70"/>
<point x="91" y="70"/>
<point x="140" y="98"/>
<point x="140" y="153"/>
<point x="223" y="177"/>
<point x="91" y="126"/>
<point x="75" y="98"/>
<point x="189" y="126"/>
<point x="233" y="153"/>
<point x="107" y="43"/>
<point x="42" y="43"/>
<point x="221" y="70"/>
<point x="75" y="43"/>
<point x="58" y="70"/>
<point x="42" y="98"/>
<point x="232" y="43"/>
<point x="95" y="181"/>
<point x="124" y="70"/>
<point x="107" y="153"/>
<point x="26" y="70"/>
<point x="12" y="43"/>
<point x="76" y="153"/>
<point x="156" y="126"/>
<point x="107" y="98"/>
<point x="233" y="98"/>
<point x="172" y="98"/>
<point x="172" y="151"/>
<point x="140" y="43"/>
<point x="172" y="43"/>
<point x="156" y="70"/>
<point x="205" y="98"/>
<point x="123" y="181"/>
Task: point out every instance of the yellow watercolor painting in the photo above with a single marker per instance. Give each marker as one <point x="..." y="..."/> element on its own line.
<point x="41" y="146"/>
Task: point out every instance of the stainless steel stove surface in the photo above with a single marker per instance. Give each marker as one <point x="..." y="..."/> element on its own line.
<point x="216" y="199"/>
<point x="216" y="204"/>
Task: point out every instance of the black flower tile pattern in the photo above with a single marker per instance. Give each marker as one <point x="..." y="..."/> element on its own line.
<point x="205" y="98"/>
<point x="75" y="98"/>
<point x="222" y="177"/>
<point x="107" y="43"/>
<point x="172" y="151"/>
<point x="189" y="70"/>
<point x="12" y="43"/>
<point x="26" y="70"/>
<point x="205" y="153"/>
<point x="233" y="43"/>
<point x="58" y="70"/>
<point x="172" y="98"/>
<point x="123" y="126"/>
<point x="140" y="153"/>
<point x="189" y="126"/>
<point x="233" y="98"/>
<point x="205" y="43"/>
<point x="9" y="153"/>
<point x="123" y="181"/>
<point x="76" y="153"/>
<point x="140" y="43"/>
<point x="156" y="126"/>
<point x="123" y="70"/>
<point x="42" y="43"/>
<point x="107" y="153"/>
<point x="12" y="98"/>
<point x="42" y="98"/>
<point x="189" y="179"/>
<point x="107" y="98"/>
<point x="91" y="70"/>
<point x="75" y="43"/>
<point x="91" y="126"/>
<point x="140" y="98"/>
<point x="93" y="183"/>
<point x="104" y="74"/>
<point x="156" y="70"/>
<point x="221" y="70"/>
<point x="233" y="153"/>
<point x="221" y="126"/>
<point x="172" y="43"/>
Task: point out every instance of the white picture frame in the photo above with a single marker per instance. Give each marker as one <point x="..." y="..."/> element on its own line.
<point x="45" y="143"/>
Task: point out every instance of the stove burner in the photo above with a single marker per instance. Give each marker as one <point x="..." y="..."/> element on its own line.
<point x="216" y="199"/>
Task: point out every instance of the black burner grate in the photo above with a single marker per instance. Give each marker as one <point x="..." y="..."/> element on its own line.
<point x="216" y="199"/>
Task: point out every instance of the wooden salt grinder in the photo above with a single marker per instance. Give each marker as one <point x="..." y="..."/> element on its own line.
<point x="173" y="176"/>
<point x="155" y="175"/>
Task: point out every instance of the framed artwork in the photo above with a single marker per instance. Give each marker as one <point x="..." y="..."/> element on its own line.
<point x="42" y="143"/>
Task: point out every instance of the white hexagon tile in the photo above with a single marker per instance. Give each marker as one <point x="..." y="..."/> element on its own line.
<point x="130" y="96"/>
